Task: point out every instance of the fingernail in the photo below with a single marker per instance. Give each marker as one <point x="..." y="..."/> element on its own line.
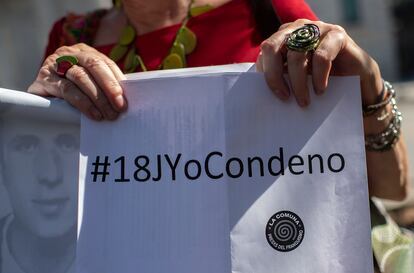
<point x="120" y="102"/>
<point x="282" y="95"/>
<point x="286" y="93"/>
<point x="112" y="115"/>
<point x="96" y="114"/>
<point x="303" y="102"/>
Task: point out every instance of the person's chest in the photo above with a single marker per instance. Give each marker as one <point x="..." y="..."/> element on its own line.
<point x="224" y="35"/>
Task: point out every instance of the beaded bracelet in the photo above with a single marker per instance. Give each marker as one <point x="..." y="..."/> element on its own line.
<point x="386" y="139"/>
<point x="388" y="92"/>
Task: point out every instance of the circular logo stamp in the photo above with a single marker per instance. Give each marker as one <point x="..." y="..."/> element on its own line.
<point x="285" y="231"/>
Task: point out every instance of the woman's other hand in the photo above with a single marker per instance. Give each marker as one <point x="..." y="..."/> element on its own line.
<point x="92" y="86"/>
<point x="337" y="54"/>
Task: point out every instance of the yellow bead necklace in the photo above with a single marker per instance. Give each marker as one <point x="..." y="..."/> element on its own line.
<point x="184" y="43"/>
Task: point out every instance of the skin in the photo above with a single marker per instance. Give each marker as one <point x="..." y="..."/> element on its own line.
<point x="339" y="55"/>
<point x="93" y="85"/>
<point x="42" y="235"/>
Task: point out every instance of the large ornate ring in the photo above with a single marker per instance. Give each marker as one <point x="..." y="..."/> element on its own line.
<point x="304" y="39"/>
<point x="64" y="63"/>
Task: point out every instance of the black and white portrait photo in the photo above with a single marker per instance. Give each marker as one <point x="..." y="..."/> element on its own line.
<point x="38" y="170"/>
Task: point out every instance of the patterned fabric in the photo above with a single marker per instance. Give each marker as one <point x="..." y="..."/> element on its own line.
<point x="81" y="28"/>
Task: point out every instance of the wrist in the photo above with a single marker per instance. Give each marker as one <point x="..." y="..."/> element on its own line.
<point x="382" y="121"/>
<point x="371" y="84"/>
<point x="374" y="125"/>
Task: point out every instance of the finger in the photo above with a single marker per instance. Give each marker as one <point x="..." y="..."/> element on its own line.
<point x="83" y="80"/>
<point x="82" y="49"/>
<point x="272" y="64"/>
<point x="116" y="71"/>
<point x="43" y="86"/>
<point x="295" y="24"/>
<point x="297" y="63"/>
<point x="259" y="62"/>
<point x="71" y="93"/>
<point x="285" y="26"/>
<point x="114" y="68"/>
<point x="328" y="49"/>
<point x="105" y="78"/>
<point x="119" y="76"/>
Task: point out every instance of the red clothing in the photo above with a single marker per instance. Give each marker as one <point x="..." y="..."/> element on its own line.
<point x="291" y="10"/>
<point x="225" y="35"/>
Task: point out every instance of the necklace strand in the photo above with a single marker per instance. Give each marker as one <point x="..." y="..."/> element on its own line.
<point x="184" y="43"/>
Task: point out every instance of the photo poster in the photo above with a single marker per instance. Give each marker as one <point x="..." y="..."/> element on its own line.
<point x="210" y="172"/>
<point x="39" y="163"/>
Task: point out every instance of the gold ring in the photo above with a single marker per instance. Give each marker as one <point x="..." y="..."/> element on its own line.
<point x="304" y="39"/>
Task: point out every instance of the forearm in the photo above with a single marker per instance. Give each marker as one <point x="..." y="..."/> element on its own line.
<point x="387" y="170"/>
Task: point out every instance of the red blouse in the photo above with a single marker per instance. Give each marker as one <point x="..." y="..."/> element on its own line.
<point x="225" y="35"/>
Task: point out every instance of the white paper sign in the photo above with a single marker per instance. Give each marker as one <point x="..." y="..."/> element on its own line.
<point x="212" y="173"/>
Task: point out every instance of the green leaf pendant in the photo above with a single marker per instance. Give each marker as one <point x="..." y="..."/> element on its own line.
<point x="186" y="37"/>
<point x="127" y="35"/>
<point x="200" y="10"/>
<point x="173" y="61"/>
<point x="131" y="61"/>
<point x="178" y="48"/>
<point x="118" y="52"/>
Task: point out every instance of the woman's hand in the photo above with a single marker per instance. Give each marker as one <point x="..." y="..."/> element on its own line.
<point x="92" y="86"/>
<point x="337" y="54"/>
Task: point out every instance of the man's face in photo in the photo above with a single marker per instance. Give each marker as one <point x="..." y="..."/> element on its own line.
<point x="39" y="166"/>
